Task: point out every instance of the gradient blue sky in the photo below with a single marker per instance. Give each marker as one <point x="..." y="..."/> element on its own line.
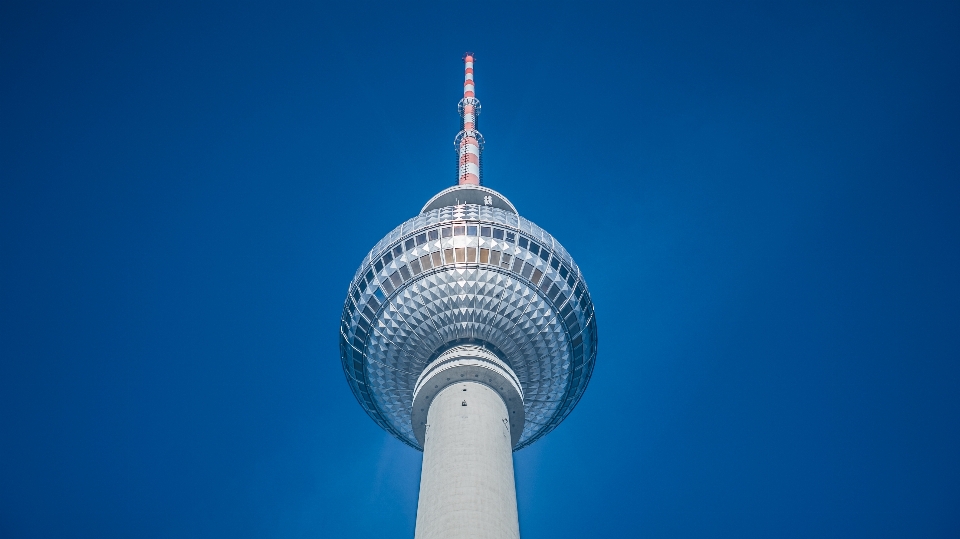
<point x="765" y="202"/>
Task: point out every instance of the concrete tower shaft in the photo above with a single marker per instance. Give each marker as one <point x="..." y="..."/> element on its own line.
<point x="467" y="484"/>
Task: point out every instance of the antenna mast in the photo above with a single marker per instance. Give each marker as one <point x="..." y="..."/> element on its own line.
<point x="468" y="142"/>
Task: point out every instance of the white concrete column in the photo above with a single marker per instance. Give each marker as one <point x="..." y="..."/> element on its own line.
<point x="467" y="489"/>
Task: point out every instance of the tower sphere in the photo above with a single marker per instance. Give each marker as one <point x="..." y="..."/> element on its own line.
<point x="468" y="288"/>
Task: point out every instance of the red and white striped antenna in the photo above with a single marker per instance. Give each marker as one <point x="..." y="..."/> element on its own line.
<point x="469" y="141"/>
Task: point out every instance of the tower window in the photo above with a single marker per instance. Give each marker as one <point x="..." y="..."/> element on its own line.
<point x="485" y="231"/>
<point x="421" y="238"/>
<point x="446" y="232"/>
<point x="497" y="234"/>
<point x="433" y="234"/>
<point x="459" y="230"/>
<point x="471" y="231"/>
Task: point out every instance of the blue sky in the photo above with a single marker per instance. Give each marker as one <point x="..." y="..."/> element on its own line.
<point x="764" y="200"/>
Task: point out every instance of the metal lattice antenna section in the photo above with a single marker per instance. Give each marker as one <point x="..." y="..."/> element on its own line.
<point x="469" y="142"/>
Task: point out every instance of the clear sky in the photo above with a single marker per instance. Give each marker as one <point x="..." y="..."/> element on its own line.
<point x="765" y="202"/>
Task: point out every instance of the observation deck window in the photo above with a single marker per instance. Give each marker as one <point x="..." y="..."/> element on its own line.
<point x="459" y="230"/>
<point x="409" y="244"/>
<point x="421" y="238"/>
<point x="485" y="231"/>
<point x="495" y="258"/>
<point x="446" y="232"/>
<point x="472" y="230"/>
<point x="437" y="261"/>
<point x="397" y="251"/>
<point x="497" y="234"/>
<point x="378" y="265"/>
<point x="471" y="254"/>
<point x="511" y="236"/>
<point x="387" y="257"/>
<point x="524" y="243"/>
<point x="433" y="234"/>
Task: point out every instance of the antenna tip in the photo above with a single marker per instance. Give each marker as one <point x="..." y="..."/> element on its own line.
<point x="468" y="57"/>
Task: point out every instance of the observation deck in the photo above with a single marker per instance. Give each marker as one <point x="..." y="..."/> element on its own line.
<point x="468" y="270"/>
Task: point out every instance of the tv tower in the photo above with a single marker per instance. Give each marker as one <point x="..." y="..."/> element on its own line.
<point x="468" y="333"/>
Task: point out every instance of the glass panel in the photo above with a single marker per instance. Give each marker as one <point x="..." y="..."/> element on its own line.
<point x="415" y="266"/>
<point x="396" y="279"/>
<point x="448" y="255"/>
<point x="484" y="256"/>
<point x="368" y="276"/>
<point x="527" y="268"/>
<point x="472" y="230"/>
<point x="554" y="290"/>
<point x="536" y="275"/>
<point x="517" y="264"/>
<point x="545" y="285"/>
<point x="471" y="254"/>
<point x="446" y="232"/>
<point x="497" y="234"/>
<point x="571" y="279"/>
<point x="433" y="234"/>
<point x="378" y="265"/>
<point x="408" y="244"/>
<point x="485" y="231"/>
<point x="523" y="242"/>
<point x="421" y="238"/>
<point x="495" y="258"/>
<point x="510" y="236"/>
<point x="388" y="286"/>
<point x="437" y="261"/>
<point x="397" y="251"/>
<point x="461" y="255"/>
<point x="404" y="272"/>
<point x="505" y="263"/>
<point x="563" y="271"/>
<point x="356" y="294"/>
<point x="545" y="254"/>
<point x="555" y="263"/>
<point x="459" y="230"/>
<point x="387" y="258"/>
<point x="425" y="262"/>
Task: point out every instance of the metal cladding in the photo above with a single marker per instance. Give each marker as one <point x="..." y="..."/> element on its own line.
<point x="469" y="141"/>
<point x="469" y="286"/>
